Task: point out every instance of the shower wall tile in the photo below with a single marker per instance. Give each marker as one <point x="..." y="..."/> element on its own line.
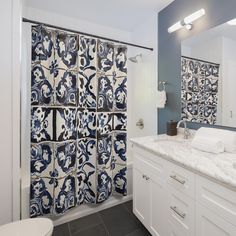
<point x="119" y="179"/>
<point x="104" y="184"/>
<point x="120" y="121"/>
<point x="120" y="61"/>
<point x="104" y="151"/>
<point x="87" y="123"/>
<point x="86" y="170"/>
<point x="64" y="194"/>
<point x="104" y="123"/>
<point x="66" y="49"/>
<point x="105" y="57"/>
<point x="42" y="46"/>
<point x="41" y="196"/>
<point x="87" y="83"/>
<point x="105" y="93"/>
<point x="41" y="124"/>
<point x="119" y="147"/>
<point x="66" y="88"/>
<point x="65" y="124"/>
<point x="42" y="82"/>
<point x="65" y="158"/>
<point x="42" y="160"/>
<point x="120" y="94"/>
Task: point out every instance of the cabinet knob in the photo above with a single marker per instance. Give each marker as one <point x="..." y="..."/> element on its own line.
<point x="146" y="177"/>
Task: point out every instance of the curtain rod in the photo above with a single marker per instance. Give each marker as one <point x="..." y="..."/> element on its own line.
<point x="87" y="34"/>
<point x="196" y="59"/>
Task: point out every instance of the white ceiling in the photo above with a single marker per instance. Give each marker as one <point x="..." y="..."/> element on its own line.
<point x="120" y="14"/>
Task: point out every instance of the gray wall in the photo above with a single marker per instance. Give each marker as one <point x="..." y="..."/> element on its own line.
<point x="169" y="47"/>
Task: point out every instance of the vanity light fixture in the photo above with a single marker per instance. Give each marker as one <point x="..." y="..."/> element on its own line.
<point x="232" y="22"/>
<point x="187" y="21"/>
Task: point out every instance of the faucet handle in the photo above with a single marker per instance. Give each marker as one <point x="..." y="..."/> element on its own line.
<point x="187" y="133"/>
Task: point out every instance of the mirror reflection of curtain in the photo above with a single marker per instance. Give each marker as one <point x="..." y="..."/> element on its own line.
<point x="78" y="121"/>
<point x="199" y="90"/>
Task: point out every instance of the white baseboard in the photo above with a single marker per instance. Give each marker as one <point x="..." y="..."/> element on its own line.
<point x="87" y="209"/>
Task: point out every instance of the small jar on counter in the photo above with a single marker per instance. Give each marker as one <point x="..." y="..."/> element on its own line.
<point x="171" y="129"/>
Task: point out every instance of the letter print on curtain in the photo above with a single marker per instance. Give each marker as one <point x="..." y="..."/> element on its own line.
<point x="78" y="121"/>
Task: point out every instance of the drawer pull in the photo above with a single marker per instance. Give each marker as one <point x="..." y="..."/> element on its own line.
<point x="181" y="181"/>
<point x="175" y="209"/>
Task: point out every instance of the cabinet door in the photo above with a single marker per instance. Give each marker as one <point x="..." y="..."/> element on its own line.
<point x="157" y="206"/>
<point x="209" y="223"/>
<point x="141" y="196"/>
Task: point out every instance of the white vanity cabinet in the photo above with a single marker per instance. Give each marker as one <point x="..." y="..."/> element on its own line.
<point x="149" y="193"/>
<point x="173" y="201"/>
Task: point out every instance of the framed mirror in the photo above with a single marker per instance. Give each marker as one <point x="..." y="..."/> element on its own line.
<point x="208" y="74"/>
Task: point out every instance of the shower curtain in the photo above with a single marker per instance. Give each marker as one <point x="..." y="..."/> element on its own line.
<point x="78" y="121"/>
<point x="199" y="90"/>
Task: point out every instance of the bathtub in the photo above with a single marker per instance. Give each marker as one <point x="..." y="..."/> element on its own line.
<point x="79" y="211"/>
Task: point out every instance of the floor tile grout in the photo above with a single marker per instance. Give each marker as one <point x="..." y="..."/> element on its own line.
<point x="104" y="224"/>
<point x="68" y="225"/>
<point x="89" y="227"/>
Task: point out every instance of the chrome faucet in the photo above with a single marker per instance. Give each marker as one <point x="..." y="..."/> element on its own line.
<point x="186" y="130"/>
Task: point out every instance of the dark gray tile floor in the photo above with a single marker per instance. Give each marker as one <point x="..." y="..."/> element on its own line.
<point x="115" y="221"/>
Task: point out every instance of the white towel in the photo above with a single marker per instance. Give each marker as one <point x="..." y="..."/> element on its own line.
<point x="161" y="99"/>
<point x="227" y="137"/>
<point x="208" y="144"/>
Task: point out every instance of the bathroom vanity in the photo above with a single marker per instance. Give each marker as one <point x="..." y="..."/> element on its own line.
<point x="179" y="191"/>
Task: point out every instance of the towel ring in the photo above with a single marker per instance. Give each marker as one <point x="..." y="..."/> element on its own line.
<point x="163" y="83"/>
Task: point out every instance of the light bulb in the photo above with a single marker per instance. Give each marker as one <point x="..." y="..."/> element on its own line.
<point x="175" y="27"/>
<point x="232" y="22"/>
<point x="189" y="19"/>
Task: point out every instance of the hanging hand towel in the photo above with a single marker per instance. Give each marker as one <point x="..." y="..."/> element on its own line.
<point x="161" y="99"/>
<point x="207" y="144"/>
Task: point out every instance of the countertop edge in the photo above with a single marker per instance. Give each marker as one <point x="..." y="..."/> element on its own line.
<point x="168" y="158"/>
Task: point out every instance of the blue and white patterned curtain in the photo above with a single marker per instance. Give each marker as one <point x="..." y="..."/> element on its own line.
<point x="199" y="90"/>
<point x="78" y="121"/>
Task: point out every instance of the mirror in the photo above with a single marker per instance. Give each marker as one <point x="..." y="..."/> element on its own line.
<point x="208" y="74"/>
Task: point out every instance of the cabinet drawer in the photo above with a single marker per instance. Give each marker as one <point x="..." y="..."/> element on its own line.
<point x="217" y="198"/>
<point x="208" y="223"/>
<point x="173" y="230"/>
<point x="181" y="212"/>
<point x="181" y="179"/>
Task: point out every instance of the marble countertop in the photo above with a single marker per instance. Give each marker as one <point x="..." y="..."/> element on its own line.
<point x="221" y="167"/>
